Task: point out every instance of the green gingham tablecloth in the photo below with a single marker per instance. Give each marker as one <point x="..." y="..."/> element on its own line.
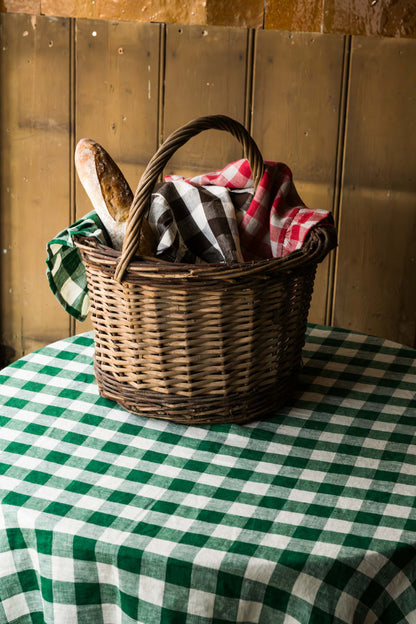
<point x="307" y="517"/>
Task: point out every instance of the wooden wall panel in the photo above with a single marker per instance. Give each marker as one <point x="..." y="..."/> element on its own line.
<point x="34" y="188"/>
<point x="376" y="276"/>
<point x="117" y="93"/>
<point x="128" y="86"/>
<point x="296" y="119"/>
<point x="206" y="73"/>
<point x="117" y="96"/>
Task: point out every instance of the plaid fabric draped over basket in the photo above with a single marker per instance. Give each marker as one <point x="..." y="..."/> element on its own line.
<point x="199" y="343"/>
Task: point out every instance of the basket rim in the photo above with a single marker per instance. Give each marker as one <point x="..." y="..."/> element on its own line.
<point x="320" y="241"/>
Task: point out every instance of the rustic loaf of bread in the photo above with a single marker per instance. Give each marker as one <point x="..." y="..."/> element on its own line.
<point x="109" y="193"/>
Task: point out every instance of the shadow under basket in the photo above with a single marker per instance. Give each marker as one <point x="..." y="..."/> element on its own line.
<point x="200" y="343"/>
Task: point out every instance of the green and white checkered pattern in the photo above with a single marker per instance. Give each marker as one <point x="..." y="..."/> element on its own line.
<point x="64" y="267"/>
<point x="308" y="517"/>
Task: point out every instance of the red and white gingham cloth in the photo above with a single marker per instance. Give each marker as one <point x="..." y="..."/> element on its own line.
<point x="217" y="217"/>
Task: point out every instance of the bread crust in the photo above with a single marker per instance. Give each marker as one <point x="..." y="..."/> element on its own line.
<point x="109" y="193"/>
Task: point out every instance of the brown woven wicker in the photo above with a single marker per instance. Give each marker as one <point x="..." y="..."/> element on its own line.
<point x="198" y="343"/>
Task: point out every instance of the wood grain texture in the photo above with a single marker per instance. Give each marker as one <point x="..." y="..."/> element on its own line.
<point x="376" y="276"/>
<point x="117" y="96"/>
<point x="206" y="72"/>
<point x="117" y="93"/>
<point x="114" y="91"/>
<point x="296" y="110"/>
<point x="34" y="190"/>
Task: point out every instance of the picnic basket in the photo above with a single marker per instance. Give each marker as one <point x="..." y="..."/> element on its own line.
<point x="198" y="343"/>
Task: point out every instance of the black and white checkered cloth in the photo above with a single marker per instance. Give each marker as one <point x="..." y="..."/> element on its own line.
<point x="220" y="217"/>
<point x="198" y="223"/>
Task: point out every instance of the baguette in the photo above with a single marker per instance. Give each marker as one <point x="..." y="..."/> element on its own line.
<point x="110" y="194"/>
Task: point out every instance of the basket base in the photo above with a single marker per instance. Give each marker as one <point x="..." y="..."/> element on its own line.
<point x="233" y="408"/>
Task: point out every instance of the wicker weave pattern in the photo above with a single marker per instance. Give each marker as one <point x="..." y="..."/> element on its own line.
<point x="199" y="343"/>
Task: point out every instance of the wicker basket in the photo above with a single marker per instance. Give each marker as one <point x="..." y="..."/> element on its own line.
<point x="198" y="343"/>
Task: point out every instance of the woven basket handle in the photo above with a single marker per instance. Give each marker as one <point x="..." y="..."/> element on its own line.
<point x="157" y="164"/>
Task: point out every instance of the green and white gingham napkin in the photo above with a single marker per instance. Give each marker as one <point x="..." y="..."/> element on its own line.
<point x="65" y="269"/>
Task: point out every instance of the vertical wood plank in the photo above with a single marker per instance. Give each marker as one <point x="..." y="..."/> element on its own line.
<point x="117" y="90"/>
<point x="296" y="113"/>
<point x="376" y="273"/>
<point x="117" y="96"/>
<point x="205" y="75"/>
<point x="34" y="189"/>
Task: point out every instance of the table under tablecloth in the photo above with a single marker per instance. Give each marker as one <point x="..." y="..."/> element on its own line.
<point x="307" y="517"/>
